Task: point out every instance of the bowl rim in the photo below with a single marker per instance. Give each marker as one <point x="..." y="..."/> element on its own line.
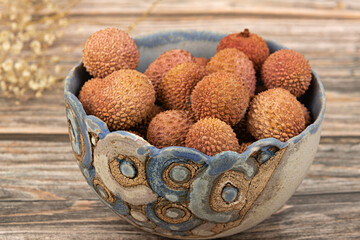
<point x="255" y="146"/>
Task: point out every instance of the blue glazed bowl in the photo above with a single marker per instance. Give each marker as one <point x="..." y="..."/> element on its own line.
<point x="180" y="192"/>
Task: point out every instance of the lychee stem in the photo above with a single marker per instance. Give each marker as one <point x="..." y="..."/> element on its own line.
<point x="245" y="33"/>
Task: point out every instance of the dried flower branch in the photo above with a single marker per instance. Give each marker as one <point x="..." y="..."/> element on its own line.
<point x="143" y="16"/>
<point x="27" y="29"/>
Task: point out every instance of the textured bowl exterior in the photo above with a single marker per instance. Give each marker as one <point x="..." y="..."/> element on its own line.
<point x="179" y="192"/>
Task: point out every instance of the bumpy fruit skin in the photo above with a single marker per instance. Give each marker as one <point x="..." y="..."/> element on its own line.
<point x="234" y="61"/>
<point x="201" y="61"/>
<point x="109" y="50"/>
<point x="287" y="69"/>
<point x="122" y="99"/>
<point x="164" y="63"/>
<point x="169" y="128"/>
<point x="143" y="126"/>
<point x="221" y="95"/>
<point x="212" y="136"/>
<point x="275" y="113"/>
<point x="251" y="44"/>
<point x="88" y="92"/>
<point x="178" y="83"/>
<point x="307" y="115"/>
<point x="155" y="110"/>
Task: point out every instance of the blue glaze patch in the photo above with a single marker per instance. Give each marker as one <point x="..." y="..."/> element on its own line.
<point x="222" y="162"/>
<point x="175" y="213"/>
<point x="157" y="165"/>
<point x="181" y="227"/>
<point x="89" y="173"/>
<point x="179" y="173"/>
<point x="74" y="133"/>
<point x="229" y="194"/>
<point x="102" y="192"/>
<point x="202" y="186"/>
<point x="166" y="37"/>
<point x="141" y="151"/>
<point x="127" y="168"/>
<point x="265" y="155"/>
<point x="76" y="78"/>
<point x="196" y="156"/>
<point x="96" y="126"/>
<point x="120" y="207"/>
<point x="76" y="115"/>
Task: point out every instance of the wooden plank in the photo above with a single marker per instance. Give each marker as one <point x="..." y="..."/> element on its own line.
<point x="336" y="167"/>
<point x="263" y="8"/>
<point x="328" y="216"/>
<point x="38" y="115"/>
<point x="46" y="170"/>
<point x="43" y="195"/>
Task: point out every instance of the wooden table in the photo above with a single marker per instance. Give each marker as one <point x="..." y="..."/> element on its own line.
<point x="44" y="196"/>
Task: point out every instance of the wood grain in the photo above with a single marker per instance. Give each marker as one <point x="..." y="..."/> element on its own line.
<point x="303" y="217"/>
<point x="307" y="8"/>
<point x="44" y="196"/>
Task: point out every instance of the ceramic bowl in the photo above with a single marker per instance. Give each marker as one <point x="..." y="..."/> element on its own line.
<point x="179" y="192"/>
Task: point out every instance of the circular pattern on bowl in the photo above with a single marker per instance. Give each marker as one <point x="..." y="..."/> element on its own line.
<point x="208" y="187"/>
<point x="176" y="168"/>
<point x="187" y="194"/>
<point x="172" y="216"/>
<point x="79" y="138"/>
<point x="109" y="155"/>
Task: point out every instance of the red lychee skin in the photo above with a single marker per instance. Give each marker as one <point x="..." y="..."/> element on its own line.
<point x="221" y="95"/>
<point x="307" y="115"/>
<point x="212" y="136"/>
<point x="109" y="50"/>
<point x="178" y="83"/>
<point x="122" y="99"/>
<point x="164" y="63"/>
<point x="287" y="69"/>
<point x="251" y="44"/>
<point x="88" y="92"/>
<point x="169" y="128"/>
<point x="201" y="61"/>
<point x="234" y="61"/>
<point x="142" y="127"/>
<point x="275" y="113"/>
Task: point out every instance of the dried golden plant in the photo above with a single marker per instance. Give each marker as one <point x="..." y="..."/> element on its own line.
<point x="28" y="28"/>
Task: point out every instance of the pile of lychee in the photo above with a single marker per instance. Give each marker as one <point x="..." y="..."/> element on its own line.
<point x="225" y="103"/>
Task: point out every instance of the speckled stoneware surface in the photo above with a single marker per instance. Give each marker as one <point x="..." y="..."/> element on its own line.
<point x="179" y="192"/>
